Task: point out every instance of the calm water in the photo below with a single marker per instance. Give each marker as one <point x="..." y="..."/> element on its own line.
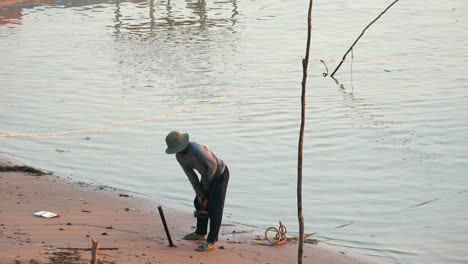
<point x="385" y="152"/>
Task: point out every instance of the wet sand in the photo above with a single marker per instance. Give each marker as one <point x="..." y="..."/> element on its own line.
<point x="126" y="225"/>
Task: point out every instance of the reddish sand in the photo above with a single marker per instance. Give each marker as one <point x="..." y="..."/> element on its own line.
<point x="129" y="227"/>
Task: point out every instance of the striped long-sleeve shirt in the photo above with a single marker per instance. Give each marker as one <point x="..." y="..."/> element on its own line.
<point x="200" y="158"/>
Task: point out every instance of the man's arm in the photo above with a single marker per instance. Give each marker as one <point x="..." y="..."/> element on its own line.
<point x="193" y="178"/>
<point x="206" y="187"/>
<point x="203" y="200"/>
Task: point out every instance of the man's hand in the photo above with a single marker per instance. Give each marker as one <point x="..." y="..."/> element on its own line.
<point x="202" y="200"/>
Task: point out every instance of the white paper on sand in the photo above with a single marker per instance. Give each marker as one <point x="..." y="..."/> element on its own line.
<point x="45" y="214"/>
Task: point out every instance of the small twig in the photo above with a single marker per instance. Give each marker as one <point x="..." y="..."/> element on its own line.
<point x="325" y="74"/>
<point x="94" y="251"/>
<point x="362" y="33"/>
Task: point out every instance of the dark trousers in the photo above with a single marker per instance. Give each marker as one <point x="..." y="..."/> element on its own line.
<point x="216" y="196"/>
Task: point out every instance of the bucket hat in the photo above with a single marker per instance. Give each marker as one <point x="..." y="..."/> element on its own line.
<point x="176" y="142"/>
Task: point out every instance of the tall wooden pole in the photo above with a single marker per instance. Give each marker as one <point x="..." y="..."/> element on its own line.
<point x="305" y="63"/>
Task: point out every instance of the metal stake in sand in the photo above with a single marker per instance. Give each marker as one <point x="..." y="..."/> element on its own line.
<point x="165" y="226"/>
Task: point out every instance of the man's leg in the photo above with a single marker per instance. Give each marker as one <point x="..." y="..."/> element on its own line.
<point x="216" y="197"/>
<point x="202" y="222"/>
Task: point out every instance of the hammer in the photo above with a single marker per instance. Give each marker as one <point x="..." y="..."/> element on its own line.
<point x="200" y="213"/>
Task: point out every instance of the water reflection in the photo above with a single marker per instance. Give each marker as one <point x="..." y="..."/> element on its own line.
<point x="9" y="15"/>
<point x="130" y="17"/>
<point x="155" y="40"/>
<point x="168" y="15"/>
<point x="11" y="11"/>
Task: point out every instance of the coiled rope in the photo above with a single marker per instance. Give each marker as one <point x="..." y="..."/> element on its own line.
<point x="279" y="234"/>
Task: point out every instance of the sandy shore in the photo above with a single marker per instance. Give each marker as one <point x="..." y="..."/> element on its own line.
<point x="126" y="225"/>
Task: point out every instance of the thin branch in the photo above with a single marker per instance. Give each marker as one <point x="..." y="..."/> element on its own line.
<point x="94" y="251"/>
<point x="362" y="33"/>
